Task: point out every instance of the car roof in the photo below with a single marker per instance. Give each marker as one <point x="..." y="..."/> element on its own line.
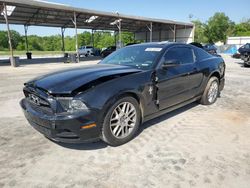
<point x="163" y="44"/>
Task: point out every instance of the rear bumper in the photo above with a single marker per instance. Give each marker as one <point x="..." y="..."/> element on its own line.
<point x="63" y="128"/>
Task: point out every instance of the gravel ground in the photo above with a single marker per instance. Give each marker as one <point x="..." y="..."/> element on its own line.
<point x="195" y="146"/>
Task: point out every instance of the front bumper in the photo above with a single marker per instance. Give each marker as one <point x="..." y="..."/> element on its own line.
<point x="63" y="128"/>
<point x="247" y="63"/>
<point x="222" y="84"/>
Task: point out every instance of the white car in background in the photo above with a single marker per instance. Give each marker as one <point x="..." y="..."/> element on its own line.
<point x="86" y="50"/>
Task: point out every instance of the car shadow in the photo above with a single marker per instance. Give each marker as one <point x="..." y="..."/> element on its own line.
<point x="101" y="145"/>
<point x="240" y="63"/>
<point x="166" y="116"/>
<point x="84" y="146"/>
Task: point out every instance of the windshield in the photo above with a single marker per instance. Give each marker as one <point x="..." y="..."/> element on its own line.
<point x="141" y="57"/>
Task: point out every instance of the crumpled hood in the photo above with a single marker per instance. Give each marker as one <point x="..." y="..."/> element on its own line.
<point x="66" y="81"/>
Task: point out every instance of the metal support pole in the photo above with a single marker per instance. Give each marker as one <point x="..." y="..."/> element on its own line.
<point x="115" y="37"/>
<point x="151" y="32"/>
<point x="12" y="61"/>
<point x="75" y="23"/>
<point x="160" y="35"/>
<point x="150" y="28"/>
<point x="26" y="37"/>
<point x="193" y="34"/>
<point x="120" y="34"/>
<point x="63" y="43"/>
<point x="174" y="33"/>
<point x="92" y="38"/>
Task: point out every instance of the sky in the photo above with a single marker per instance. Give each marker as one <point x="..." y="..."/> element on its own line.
<point x="178" y="10"/>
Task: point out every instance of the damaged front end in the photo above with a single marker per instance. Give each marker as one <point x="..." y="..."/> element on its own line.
<point x="64" y="116"/>
<point x="61" y="119"/>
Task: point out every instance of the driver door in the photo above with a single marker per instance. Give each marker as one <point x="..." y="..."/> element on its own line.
<point x="176" y="83"/>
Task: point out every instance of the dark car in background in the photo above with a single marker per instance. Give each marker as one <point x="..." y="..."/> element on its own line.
<point x="110" y="100"/>
<point x="210" y="48"/>
<point x="108" y="51"/>
<point x="245" y="54"/>
<point x="131" y="43"/>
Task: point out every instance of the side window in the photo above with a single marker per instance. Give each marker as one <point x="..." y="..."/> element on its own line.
<point x="182" y="54"/>
<point x="201" y="54"/>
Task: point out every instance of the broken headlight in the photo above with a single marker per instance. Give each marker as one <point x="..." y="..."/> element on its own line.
<point x="71" y="105"/>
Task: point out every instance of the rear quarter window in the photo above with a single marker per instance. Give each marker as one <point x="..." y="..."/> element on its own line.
<point x="201" y="54"/>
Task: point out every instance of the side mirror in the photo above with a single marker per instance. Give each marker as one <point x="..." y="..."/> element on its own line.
<point x="170" y="63"/>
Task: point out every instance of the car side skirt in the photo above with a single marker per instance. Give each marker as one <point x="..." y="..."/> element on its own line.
<point x="162" y="112"/>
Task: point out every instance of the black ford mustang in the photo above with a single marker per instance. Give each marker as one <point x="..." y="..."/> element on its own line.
<point x="111" y="99"/>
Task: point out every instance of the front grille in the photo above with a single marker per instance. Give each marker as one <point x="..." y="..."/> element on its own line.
<point x="37" y="103"/>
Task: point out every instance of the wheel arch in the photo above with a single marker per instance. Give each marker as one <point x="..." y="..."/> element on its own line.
<point x="215" y="74"/>
<point x="113" y="99"/>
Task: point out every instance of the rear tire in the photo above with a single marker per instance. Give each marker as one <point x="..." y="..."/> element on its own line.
<point x="121" y="122"/>
<point x="211" y="91"/>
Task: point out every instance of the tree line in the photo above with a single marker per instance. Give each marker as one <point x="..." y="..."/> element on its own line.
<point x="54" y="42"/>
<point x="219" y="27"/>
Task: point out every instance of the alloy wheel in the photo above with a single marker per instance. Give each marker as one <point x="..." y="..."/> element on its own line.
<point x="123" y="120"/>
<point x="213" y="91"/>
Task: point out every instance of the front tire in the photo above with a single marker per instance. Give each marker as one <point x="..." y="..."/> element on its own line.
<point x="211" y="92"/>
<point x="121" y="121"/>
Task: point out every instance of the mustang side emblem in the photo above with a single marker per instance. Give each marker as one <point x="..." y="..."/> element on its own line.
<point x="150" y="90"/>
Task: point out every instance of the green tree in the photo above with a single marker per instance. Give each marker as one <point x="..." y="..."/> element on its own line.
<point x="85" y="39"/>
<point x="69" y="43"/>
<point x="127" y="37"/>
<point x="243" y="28"/>
<point x="199" y="35"/>
<point x="3" y="40"/>
<point x="103" y="39"/>
<point x="218" y="27"/>
<point x="15" y="39"/>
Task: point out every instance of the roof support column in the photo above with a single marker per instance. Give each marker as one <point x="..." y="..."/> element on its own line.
<point x="119" y="26"/>
<point x="12" y="61"/>
<point x="174" y="33"/>
<point x="92" y="38"/>
<point x="150" y="28"/>
<point x="120" y="34"/>
<point x="63" y="43"/>
<point x="160" y="35"/>
<point x="193" y="32"/>
<point x="115" y="37"/>
<point x="26" y="27"/>
<point x="76" y="37"/>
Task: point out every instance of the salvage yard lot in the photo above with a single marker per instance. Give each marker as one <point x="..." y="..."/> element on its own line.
<point x="195" y="146"/>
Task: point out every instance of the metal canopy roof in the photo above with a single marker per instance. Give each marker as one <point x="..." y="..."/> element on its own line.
<point x="41" y="13"/>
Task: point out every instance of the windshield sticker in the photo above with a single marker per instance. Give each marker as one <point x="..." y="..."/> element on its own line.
<point x="153" y="49"/>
